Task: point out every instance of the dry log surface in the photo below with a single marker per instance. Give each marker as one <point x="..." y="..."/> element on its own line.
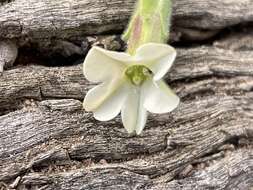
<point x="47" y="141"/>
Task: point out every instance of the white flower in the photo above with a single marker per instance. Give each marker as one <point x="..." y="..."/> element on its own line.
<point x="129" y="84"/>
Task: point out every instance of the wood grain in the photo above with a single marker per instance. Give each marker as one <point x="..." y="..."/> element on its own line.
<point x="70" y="19"/>
<point x="57" y="141"/>
<point x="48" y="142"/>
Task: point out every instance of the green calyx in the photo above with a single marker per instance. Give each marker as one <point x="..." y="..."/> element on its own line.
<point x="137" y="74"/>
<point x="150" y="22"/>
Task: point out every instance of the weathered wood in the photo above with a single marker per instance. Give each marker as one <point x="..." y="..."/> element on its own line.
<point x="59" y="134"/>
<point x="218" y="176"/>
<point x="234" y="171"/>
<point x="40" y="82"/>
<point x="237" y="41"/>
<point x="8" y="54"/>
<point x="47" y="141"/>
<point x="70" y="19"/>
<point x="59" y="27"/>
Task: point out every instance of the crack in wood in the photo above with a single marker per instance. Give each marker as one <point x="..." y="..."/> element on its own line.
<point x="48" y="142"/>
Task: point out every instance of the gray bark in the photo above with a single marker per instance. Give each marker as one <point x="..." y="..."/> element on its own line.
<point x="47" y="141"/>
<point x="8" y="54"/>
<point x="66" y="19"/>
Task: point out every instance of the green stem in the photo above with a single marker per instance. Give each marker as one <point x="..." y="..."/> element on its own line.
<point x="149" y="23"/>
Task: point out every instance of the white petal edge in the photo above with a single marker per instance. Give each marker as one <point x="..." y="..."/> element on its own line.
<point x="112" y="105"/>
<point x="100" y="65"/>
<point x="117" y="56"/>
<point x="100" y="93"/>
<point x="157" y="57"/>
<point x="133" y="114"/>
<point x="159" y="97"/>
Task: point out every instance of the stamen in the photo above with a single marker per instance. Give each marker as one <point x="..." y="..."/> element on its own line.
<point x="137" y="74"/>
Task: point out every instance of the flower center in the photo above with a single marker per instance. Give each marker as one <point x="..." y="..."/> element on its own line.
<point x="137" y="74"/>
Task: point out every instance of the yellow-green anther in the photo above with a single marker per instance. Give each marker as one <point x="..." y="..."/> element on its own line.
<point x="137" y="80"/>
<point x="137" y="74"/>
<point x="149" y="23"/>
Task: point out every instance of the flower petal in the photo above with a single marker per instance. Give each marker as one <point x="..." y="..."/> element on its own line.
<point x="96" y="96"/>
<point x="100" y="65"/>
<point x="158" y="57"/>
<point x="117" y="56"/>
<point x="99" y="94"/>
<point x="159" y="97"/>
<point x="134" y="115"/>
<point x="111" y="101"/>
